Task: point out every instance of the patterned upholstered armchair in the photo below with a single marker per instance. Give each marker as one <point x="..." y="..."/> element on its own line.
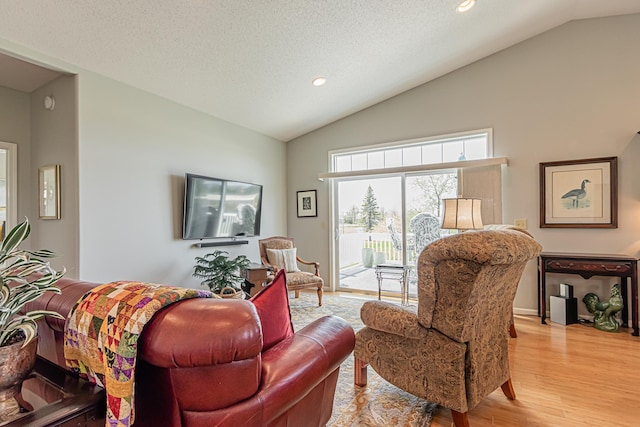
<point x="280" y="252"/>
<point x="453" y="348"/>
<point x="512" y="327"/>
<point x="506" y="227"/>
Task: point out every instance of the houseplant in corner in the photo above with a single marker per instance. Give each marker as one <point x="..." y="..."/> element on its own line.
<point x="24" y="277"/>
<point x="221" y="274"/>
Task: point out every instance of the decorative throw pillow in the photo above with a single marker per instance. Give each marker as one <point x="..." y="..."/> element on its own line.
<point x="274" y="256"/>
<point x="290" y="261"/>
<point x="272" y="305"/>
<point x="283" y="258"/>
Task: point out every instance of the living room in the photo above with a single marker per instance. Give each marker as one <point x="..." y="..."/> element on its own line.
<point x="568" y="93"/>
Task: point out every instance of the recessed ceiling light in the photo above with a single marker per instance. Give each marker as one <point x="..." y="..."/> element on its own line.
<point x="319" y="81"/>
<point x="465" y="5"/>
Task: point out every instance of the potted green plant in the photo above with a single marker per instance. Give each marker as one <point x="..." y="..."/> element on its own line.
<point x="24" y="276"/>
<point x="221" y="274"/>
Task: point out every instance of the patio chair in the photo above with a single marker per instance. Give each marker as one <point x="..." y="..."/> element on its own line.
<point x="426" y="229"/>
<point x="396" y="238"/>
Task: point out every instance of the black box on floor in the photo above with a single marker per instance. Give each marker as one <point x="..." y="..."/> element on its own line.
<point x="563" y="310"/>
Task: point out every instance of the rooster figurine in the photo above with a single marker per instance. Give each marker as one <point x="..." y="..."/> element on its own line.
<point x="604" y="312"/>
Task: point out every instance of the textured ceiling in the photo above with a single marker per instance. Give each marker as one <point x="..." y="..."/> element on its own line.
<point x="251" y="62"/>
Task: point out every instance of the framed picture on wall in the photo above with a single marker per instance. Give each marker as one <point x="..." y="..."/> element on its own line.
<point x="579" y="193"/>
<point x="307" y="203"/>
<point x="49" y="191"/>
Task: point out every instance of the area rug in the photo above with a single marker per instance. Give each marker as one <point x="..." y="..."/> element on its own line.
<point x="377" y="404"/>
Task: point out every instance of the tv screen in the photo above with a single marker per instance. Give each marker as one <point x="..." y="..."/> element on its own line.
<point x="216" y="208"/>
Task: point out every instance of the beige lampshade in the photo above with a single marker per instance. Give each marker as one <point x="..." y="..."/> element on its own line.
<point x="462" y="214"/>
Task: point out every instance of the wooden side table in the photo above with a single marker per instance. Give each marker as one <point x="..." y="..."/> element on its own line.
<point x="587" y="265"/>
<point x="256" y="274"/>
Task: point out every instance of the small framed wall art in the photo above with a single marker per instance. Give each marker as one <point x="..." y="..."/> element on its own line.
<point x="307" y="203"/>
<point x="49" y="191"/>
<point x="579" y="193"/>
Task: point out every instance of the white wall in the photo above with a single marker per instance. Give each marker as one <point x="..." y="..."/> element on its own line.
<point x="570" y="93"/>
<point x="54" y="142"/>
<point x="134" y="151"/>
<point x="44" y="138"/>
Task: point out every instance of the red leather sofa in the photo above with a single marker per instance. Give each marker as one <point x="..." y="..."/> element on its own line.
<point x="200" y="363"/>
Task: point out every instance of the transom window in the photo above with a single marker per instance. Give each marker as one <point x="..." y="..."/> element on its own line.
<point x="468" y="146"/>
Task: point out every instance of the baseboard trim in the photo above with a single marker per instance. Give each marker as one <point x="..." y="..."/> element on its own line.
<point x="525" y="311"/>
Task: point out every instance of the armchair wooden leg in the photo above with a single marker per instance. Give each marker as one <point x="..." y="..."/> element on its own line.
<point x="507" y="389"/>
<point x="512" y="327"/>
<point x="319" y="296"/>
<point x="297" y="293"/>
<point x="359" y="372"/>
<point x="512" y="331"/>
<point x="460" y="419"/>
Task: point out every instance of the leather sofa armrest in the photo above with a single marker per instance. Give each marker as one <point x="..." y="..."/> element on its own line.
<point x="297" y="364"/>
<point x="201" y="332"/>
<point x="392" y="318"/>
<point x="329" y="338"/>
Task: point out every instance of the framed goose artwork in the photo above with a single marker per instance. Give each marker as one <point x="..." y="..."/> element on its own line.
<point x="579" y="193"/>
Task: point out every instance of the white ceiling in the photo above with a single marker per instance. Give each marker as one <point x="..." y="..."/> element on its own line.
<point x="251" y="62"/>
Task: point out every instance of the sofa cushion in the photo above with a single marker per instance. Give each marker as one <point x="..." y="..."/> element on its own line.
<point x="272" y="305"/>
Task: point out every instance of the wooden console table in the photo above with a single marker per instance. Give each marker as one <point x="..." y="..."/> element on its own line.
<point x="588" y="265"/>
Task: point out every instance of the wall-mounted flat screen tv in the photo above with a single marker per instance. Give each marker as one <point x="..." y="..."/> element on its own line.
<point x="215" y="208"/>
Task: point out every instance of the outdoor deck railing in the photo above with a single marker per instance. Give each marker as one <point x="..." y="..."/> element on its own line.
<point x="390" y="252"/>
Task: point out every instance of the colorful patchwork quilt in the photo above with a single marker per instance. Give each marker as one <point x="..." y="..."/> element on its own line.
<point x="101" y="335"/>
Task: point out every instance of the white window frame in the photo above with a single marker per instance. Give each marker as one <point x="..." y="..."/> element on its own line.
<point x="402" y="171"/>
<point x="12" y="183"/>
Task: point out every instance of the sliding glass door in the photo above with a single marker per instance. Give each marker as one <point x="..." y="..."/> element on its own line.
<point x="424" y="193"/>
<point x="367" y="210"/>
<point x="386" y="200"/>
<point x="386" y="220"/>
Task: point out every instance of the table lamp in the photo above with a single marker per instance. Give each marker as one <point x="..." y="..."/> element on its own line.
<point x="462" y="214"/>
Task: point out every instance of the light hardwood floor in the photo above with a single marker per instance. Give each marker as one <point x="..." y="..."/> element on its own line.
<point x="564" y="376"/>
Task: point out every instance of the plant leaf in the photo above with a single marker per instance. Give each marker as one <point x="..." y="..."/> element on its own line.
<point x="24" y="277"/>
<point x="16" y="236"/>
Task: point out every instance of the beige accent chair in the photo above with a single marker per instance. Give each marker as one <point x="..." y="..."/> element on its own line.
<point x="452" y="349"/>
<point x="296" y="280"/>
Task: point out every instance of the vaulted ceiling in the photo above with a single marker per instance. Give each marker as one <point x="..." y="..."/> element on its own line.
<point x="252" y="62"/>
